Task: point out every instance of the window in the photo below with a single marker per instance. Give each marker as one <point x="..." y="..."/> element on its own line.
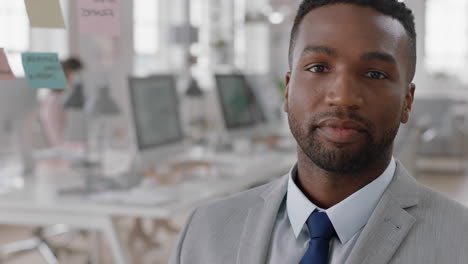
<point x="17" y="37"/>
<point x="14" y="25"/>
<point x="447" y="37"/>
<point x="146" y="27"/>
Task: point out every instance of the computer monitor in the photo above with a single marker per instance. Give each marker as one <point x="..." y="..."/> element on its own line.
<point x="269" y="96"/>
<point x="240" y="108"/>
<point x="157" y="127"/>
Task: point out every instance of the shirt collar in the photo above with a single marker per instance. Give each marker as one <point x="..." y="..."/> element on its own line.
<point x="349" y="215"/>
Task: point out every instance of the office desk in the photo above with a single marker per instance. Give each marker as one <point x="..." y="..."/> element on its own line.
<point x="38" y="204"/>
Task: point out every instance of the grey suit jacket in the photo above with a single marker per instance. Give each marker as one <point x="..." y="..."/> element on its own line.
<point x="411" y="224"/>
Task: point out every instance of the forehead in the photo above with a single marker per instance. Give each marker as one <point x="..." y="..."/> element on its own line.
<point x="352" y="27"/>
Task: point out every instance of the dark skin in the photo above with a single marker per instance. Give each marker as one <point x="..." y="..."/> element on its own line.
<point x="349" y="85"/>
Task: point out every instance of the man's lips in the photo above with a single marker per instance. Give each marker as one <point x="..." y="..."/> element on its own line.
<point x="341" y="131"/>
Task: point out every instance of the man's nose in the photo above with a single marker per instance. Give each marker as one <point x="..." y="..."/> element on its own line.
<point x="344" y="91"/>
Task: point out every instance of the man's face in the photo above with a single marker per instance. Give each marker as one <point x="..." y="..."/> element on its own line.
<point x="348" y="90"/>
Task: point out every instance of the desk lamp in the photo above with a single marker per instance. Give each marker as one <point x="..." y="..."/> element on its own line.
<point x="196" y="114"/>
<point x="98" y="108"/>
<point x="194" y="89"/>
<point x="75" y="99"/>
<point x="101" y="107"/>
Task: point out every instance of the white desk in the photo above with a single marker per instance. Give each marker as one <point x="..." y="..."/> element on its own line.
<point x="37" y="203"/>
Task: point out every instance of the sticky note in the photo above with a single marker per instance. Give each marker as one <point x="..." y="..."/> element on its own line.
<point x="43" y="70"/>
<point x="5" y="70"/>
<point x="45" y="13"/>
<point x="99" y="17"/>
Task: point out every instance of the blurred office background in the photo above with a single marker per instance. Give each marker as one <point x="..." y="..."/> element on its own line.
<point x="144" y="171"/>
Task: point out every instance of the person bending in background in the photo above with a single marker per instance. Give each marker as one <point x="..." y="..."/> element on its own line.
<point x="52" y="113"/>
<point x="347" y="200"/>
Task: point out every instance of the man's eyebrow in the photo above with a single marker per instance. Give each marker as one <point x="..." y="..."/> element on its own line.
<point x="375" y="55"/>
<point x="320" y="49"/>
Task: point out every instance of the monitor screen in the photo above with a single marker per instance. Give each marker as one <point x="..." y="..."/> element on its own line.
<point x="269" y="97"/>
<point x="238" y="102"/>
<point x="155" y="111"/>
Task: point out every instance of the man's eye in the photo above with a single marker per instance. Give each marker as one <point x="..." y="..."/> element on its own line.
<point x="318" y="68"/>
<point x="376" y="75"/>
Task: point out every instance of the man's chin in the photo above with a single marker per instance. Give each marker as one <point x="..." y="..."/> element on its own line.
<point x="341" y="167"/>
<point x="341" y="160"/>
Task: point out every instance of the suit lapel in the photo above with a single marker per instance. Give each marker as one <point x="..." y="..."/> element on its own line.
<point x="389" y="223"/>
<point x="256" y="235"/>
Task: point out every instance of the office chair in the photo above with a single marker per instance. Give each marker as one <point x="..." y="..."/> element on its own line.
<point x="41" y="241"/>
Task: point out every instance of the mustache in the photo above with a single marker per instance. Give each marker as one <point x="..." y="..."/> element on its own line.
<point x="341" y="113"/>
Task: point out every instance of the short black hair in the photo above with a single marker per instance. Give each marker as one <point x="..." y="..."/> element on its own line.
<point x="72" y="64"/>
<point x="393" y="8"/>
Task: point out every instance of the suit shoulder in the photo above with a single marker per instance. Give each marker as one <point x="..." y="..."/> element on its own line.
<point x="436" y="197"/>
<point x="434" y="201"/>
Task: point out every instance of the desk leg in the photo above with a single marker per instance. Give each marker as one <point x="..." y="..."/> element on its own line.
<point x="96" y="249"/>
<point x="119" y="252"/>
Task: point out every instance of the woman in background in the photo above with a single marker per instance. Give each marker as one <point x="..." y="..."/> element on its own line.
<point x="52" y="112"/>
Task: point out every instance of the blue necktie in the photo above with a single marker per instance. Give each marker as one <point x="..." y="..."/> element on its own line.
<point x="321" y="231"/>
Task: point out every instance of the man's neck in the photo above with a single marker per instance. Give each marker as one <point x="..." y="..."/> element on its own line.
<point x="326" y="189"/>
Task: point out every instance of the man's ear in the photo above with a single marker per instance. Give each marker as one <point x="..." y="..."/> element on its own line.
<point x="409" y="98"/>
<point x="286" y="91"/>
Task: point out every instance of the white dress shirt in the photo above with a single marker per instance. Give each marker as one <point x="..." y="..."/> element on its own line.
<point x="290" y="237"/>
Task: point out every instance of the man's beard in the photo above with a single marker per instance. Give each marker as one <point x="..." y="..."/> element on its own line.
<point x="339" y="159"/>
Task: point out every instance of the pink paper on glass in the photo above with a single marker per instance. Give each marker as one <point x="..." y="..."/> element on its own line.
<point x="99" y="17"/>
<point x="5" y="70"/>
